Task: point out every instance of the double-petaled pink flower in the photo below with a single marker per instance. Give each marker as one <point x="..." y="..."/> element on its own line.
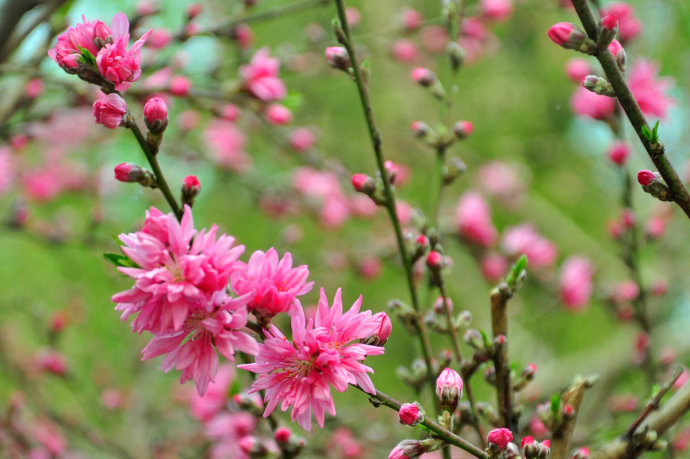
<point x="324" y="352"/>
<point x="272" y="284"/>
<point x="117" y="64"/>
<point x="260" y="77"/>
<point x="68" y="50"/>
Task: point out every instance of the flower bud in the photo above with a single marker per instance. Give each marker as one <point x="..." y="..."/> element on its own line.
<point x="500" y="437"/>
<point x="581" y="453"/>
<point x="194" y="10"/>
<point x="645" y="177"/>
<point x="338" y="57"/>
<point x="568" y="36"/>
<point x="452" y="169"/>
<point x="434" y="260"/>
<point x="463" y="129"/>
<point x="618" y="152"/>
<point x="363" y="183"/>
<point x="382" y="331"/>
<point x="190" y="188"/>
<point x="456" y="54"/>
<point x="156" y="114"/>
<point x="608" y="29"/>
<point x="392" y="171"/>
<point x="409" y="449"/>
<point x="278" y="114"/>
<point x="109" y="110"/>
<point x="180" y="86"/>
<point x="128" y="173"/>
<point x="651" y="183"/>
<point x="282" y="435"/>
<point x="424" y="77"/>
<point x="577" y="69"/>
<point x="529" y="446"/>
<point x="599" y="85"/>
<point x="411" y="414"/>
<point x="449" y="388"/>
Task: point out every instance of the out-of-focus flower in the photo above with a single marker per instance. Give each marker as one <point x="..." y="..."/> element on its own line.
<point x="500" y="437"/>
<point x="260" y="77"/>
<point x="302" y="139"/>
<point x="628" y="25"/>
<point x="226" y="141"/>
<point x="576" y="283"/>
<point x="524" y="239"/>
<point x="473" y="219"/>
<point x="499" y="10"/>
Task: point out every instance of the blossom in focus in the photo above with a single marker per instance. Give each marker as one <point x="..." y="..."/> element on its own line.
<point x="260" y="77"/>
<point x="117" y="64"/>
<point x="68" y="50"/>
<point x="109" y="110"/>
<point x="324" y="351"/>
<point x="272" y="283"/>
<point x="473" y="218"/>
<point x="500" y="437"/>
<point x="576" y="282"/>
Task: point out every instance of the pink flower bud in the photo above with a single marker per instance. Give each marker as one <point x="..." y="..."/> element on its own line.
<point x="493" y="267"/>
<point x="422" y="241"/>
<point x="363" y="183"/>
<point x="405" y="50"/>
<point x="282" y="435"/>
<point x="434" y="260"/>
<point x="499" y="10"/>
<point x="645" y="177"/>
<point x="528" y="440"/>
<point x="423" y="76"/>
<point x="155" y="109"/>
<point x="410" y="414"/>
<point x="190" y="188"/>
<point x="128" y="172"/>
<point x="354" y="17"/>
<point x="449" y="388"/>
<point x="656" y="226"/>
<point x="576" y="283"/>
<point x="463" y="129"/>
<point x="53" y="362"/>
<point x="609" y="22"/>
<point x="278" y="114"/>
<point x="582" y="453"/>
<point x="229" y="112"/>
<point x="384" y="327"/>
<point x="615" y="47"/>
<point x="500" y="437"/>
<point x="109" y="110"/>
<point x="338" y="57"/>
<point x="412" y="19"/>
<point x="302" y="139"/>
<point x="194" y="10"/>
<point x="34" y="88"/>
<point x="618" y="152"/>
<point x="560" y="33"/>
<point x="180" y="86"/>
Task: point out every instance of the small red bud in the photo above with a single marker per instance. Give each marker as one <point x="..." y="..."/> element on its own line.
<point x="609" y="22"/>
<point x="423" y="76"/>
<point x="560" y="33"/>
<point x="463" y="129"/>
<point x="282" y="435"/>
<point x="434" y="260"/>
<point x="645" y="177"/>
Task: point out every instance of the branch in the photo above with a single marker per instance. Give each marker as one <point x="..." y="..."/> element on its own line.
<point x="561" y="438"/>
<point x="499" y="327"/>
<point x="659" y="422"/>
<point x="632" y="109"/>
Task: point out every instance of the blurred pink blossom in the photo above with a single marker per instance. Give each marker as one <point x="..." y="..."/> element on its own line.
<point x="524" y="239"/>
<point x="226" y="142"/>
<point x="260" y="77"/>
<point x="576" y="283"/>
<point x="473" y="219"/>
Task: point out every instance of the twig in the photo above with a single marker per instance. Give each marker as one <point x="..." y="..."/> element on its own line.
<point x="653" y="403"/>
<point x="499" y="327"/>
<point x="561" y="438"/>
<point x="382" y="399"/>
<point x="632" y="109"/>
<point x="376" y="141"/>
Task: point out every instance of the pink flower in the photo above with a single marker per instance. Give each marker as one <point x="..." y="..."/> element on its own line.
<point x="180" y="271"/>
<point x="493" y="266"/>
<point x="116" y="63"/>
<point x="405" y="50"/>
<point x="226" y="430"/>
<point x="51" y="361"/>
<point x="6" y="169"/>
<point x="586" y="103"/>
<point x="34" y="88"/>
<point x="411" y="19"/>
<point x="180" y="86"/>
<point x="576" y="283"/>
<point x="67" y="52"/>
<point x="302" y="139"/>
<point x="159" y="38"/>
<point x="524" y="239"/>
<point x="499" y="10"/>
<point x="505" y="181"/>
<point x="155" y="109"/>
<point x="645" y="177"/>
<point x="227" y="142"/>
<point x="434" y="38"/>
<point x="260" y="77"/>
<point x="323" y="352"/>
<point x="449" y="388"/>
<point x="473" y="218"/>
<point x="278" y="114"/>
<point x="272" y="283"/>
<point x="109" y="110"/>
<point x="500" y="437"/>
<point x="577" y="69"/>
<point x="649" y="90"/>
<point x="618" y="152"/>
<point x="628" y="25"/>
<point x="410" y="414"/>
<point x="561" y="33"/>
<point x="216" y="397"/>
<point x="323" y="190"/>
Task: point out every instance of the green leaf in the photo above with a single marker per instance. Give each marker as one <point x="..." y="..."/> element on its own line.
<point x="87" y="57"/>
<point x="119" y="260"/>
<point x="516" y="271"/>
<point x="293" y="101"/>
<point x="646" y="133"/>
<point x="655" y="390"/>
<point x="655" y="133"/>
<point x="485" y="338"/>
<point x="556" y="405"/>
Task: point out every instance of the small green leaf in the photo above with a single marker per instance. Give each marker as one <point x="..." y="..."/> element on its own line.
<point x="556" y="404"/>
<point x="516" y="271"/>
<point x="655" y="390"/>
<point x="119" y="260"/>
<point x="485" y="338"/>
<point x="646" y="133"/>
<point x="655" y="133"/>
<point x="87" y="57"/>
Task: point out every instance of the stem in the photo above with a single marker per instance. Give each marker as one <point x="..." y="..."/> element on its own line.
<point x="653" y="403"/>
<point x="499" y="326"/>
<point x="632" y="109"/>
<point x="452" y="331"/>
<point x="376" y="141"/>
<point x="382" y="399"/>
<point x="153" y="162"/>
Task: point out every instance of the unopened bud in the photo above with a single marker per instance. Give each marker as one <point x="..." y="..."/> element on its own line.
<point x="599" y="85"/>
<point x="190" y="188"/>
<point x="338" y="57"/>
<point x="500" y="437"/>
<point x="618" y="152"/>
<point x="282" y="435"/>
<point x="128" y="172"/>
<point x="569" y="36"/>
<point x="463" y="129"/>
<point x="651" y="183"/>
<point x="434" y="261"/>
<point x="194" y="10"/>
<point x="411" y="414"/>
<point x="424" y="77"/>
<point x="449" y="388"/>
<point x="474" y="338"/>
<point x="582" y="453"/>
<point x="456" y="54"/>
<point x="363" y="183"/>
<point x="452" y="169"/>
<point x="382" y="330"/>
<point x="392" y="171"/>
<point x="608" y="29"/>
<point x="156" y="115"/>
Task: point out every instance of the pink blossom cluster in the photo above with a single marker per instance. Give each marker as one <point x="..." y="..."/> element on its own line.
<point x="179" y="295"/>
<point x="94" y="42"/>
<point x="325" y="351"/>
<point x="260" y="77"/>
